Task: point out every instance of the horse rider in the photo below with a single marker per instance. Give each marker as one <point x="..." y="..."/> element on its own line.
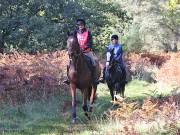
<point x="118" y="55"/>
<point x="84" y="38"/>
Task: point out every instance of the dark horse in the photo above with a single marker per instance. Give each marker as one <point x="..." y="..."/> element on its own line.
<point x="80" y="77"/>
<point x="115" y="77"/>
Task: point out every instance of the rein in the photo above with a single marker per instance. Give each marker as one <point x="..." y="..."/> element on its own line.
<point x="76" y="58"/>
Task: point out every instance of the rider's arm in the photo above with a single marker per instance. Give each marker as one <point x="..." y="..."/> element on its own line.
<point x="108" y="54"/>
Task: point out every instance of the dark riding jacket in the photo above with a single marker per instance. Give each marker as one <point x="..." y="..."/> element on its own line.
<point x="118" y="53"/>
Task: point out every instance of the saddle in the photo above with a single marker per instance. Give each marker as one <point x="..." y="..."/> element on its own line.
<point x="89" y="62"/>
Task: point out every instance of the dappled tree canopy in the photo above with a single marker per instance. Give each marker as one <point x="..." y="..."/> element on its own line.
<point x="32" y="25"/>
<point x="33" y="97"/>
<point x="155" y="26"/>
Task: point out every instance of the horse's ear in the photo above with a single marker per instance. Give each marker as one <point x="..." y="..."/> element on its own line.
<point x="68" y="33"/>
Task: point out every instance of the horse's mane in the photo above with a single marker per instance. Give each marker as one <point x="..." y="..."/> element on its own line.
<point x="71" y="34"/>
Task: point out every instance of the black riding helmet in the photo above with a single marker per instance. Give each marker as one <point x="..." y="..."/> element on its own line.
<point x="80" y="21"/>
<point x="114" y="37"/>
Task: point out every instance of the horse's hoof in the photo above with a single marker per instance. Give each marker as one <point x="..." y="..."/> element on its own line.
<point x="90" y="109"/>
<point x="67" y="82"/>
<point x="89" y="118"/>
<point x="114" y="103"/>
<point x="119" y="98"/>
<point x="74" y="121"/>
<point x="86" y="114"/>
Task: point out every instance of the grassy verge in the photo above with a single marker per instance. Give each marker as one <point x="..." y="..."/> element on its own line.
<point x="47" y="117"/>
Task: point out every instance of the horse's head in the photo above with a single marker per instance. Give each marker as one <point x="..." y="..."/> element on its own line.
<point x="110" y="56"/>
<point x="73" y="47"/>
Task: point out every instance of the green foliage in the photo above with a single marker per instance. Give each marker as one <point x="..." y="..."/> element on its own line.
<point x="42" y="25"/>
<point x="171" y="20"/>
<point x="32" y="25"/>
<point x="46" y="116"/>
<point x="132" y="39"/>
<point x="157" y="22"/>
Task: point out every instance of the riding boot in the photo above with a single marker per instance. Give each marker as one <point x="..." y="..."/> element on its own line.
<point x="95" y="81"/>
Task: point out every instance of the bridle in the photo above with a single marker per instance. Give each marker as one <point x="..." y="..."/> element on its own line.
<point x="74" y="58"/>
<point x="75" y="55"/>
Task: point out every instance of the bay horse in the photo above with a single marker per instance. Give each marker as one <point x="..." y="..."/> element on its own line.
<point x="80" y="77"/>
<point x="115" y="77"/>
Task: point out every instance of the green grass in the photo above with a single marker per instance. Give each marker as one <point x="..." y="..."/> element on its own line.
<point x="46" y="118"/>
<point x="138" y="90"/>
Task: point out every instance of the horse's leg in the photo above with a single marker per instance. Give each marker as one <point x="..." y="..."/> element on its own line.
<point x="92" y="97"/>
<point x="84" y="103"/>
<point x="112" y="93"/>
<point x="115" y="94"/>
<point x="122" y="91"/>
<point x="73" y="95"/>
